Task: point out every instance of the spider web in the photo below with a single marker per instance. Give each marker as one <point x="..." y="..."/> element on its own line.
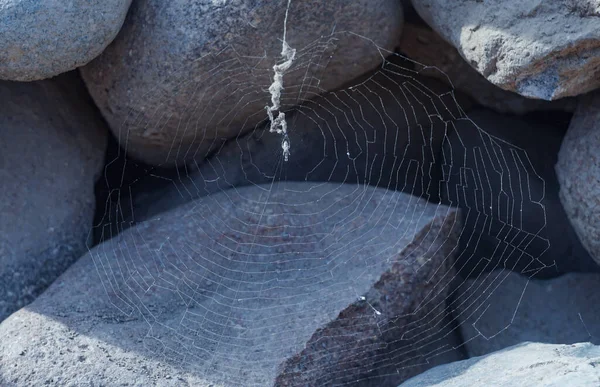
<point x="262" y="250"/>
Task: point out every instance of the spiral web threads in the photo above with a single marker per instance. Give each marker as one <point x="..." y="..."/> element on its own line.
<point x="217" y="300"/>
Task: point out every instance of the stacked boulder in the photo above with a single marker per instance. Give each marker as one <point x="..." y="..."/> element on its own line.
<point x="52" y="145"/>
<point x="170" y="107"/>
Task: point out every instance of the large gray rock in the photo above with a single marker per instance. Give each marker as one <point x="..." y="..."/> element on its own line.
<point x="52" y="144"/>
<point x="500" y="171"/>
<point x="422" y="44"/>
<point x="290" y="284"/>
<point x="527" y="364"/>
<point x="578" y="171"/>
<point x="181" y="77"/>
<point x="41" y="39"/>
<point x="502" y="309"/>
<point x="539" y="49"/>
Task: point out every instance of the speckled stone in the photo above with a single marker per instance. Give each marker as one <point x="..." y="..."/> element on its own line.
<point x="539" y="49"/>
<point x="291" y="284"/>
<point x="52" y="144"/>
<point x="41" y="39"/>
<point x="578" y="171"/>
<point x="183" y="76"/>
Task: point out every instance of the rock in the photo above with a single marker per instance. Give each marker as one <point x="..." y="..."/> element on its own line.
<point x="527" y="364"/>
<point x="295" y="283"/>
<point x="578" y="171"/>
<point x="174" y="94"/>
<point x="422" y="44"/>
<point x="501" y="309"/>
<point x="546" y="50"/>
<point x="52" y="143"/>
<point x="41" y="39"/>
<point x="356" y="135"/>
<point x="502" y="176"/>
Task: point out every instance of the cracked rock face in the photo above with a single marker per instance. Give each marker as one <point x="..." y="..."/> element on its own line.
<point x="578" y="171"/>
<point x="545" y="50"/>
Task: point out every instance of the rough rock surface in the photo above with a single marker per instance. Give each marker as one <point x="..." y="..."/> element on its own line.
<point x="503" y="308"/>
<point x="508" y="190"/>
<point x="52" y="144"/>
<point x="539" y="49"/>
<point x="355" y="135"/>
<point x="315" y="286"/>
<point x="41" y="39"/>
<point x="173" y="94"/>
<point x="578" y="171"/>
<point x="422" y="44"/>
<point x="527" y="364"/>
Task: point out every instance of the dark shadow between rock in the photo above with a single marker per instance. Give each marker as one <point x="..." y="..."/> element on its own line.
<point x="508" y="178"/>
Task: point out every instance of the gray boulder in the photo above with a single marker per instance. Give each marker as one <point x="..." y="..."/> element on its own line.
<point x="527" y="364"/>
<point x="181" y="77"/>
<point x="578" y="171"/>
<point x="502" y="308"/>
<point x="290" y="284"/>
<point x="422" y="44"/>
<point x="546" y="50"/>
<point x="41" y="39"/>
<point x="52" y="144"/>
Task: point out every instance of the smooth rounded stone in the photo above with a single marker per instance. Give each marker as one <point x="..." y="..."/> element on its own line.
<point x="527" y="364"/>
<point x="546" y="50"/>
<point x="578" y="171"/>
<point x="175" y="94"/>
<point x="502" y="176"/>
<point x="41" y="39"/>
<point x="290" y="284"/>
<point x="384" y="132"/>
<point x="422" y="44"/>
<point x="502" y="308"/>
<point x="52" y="144"/>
